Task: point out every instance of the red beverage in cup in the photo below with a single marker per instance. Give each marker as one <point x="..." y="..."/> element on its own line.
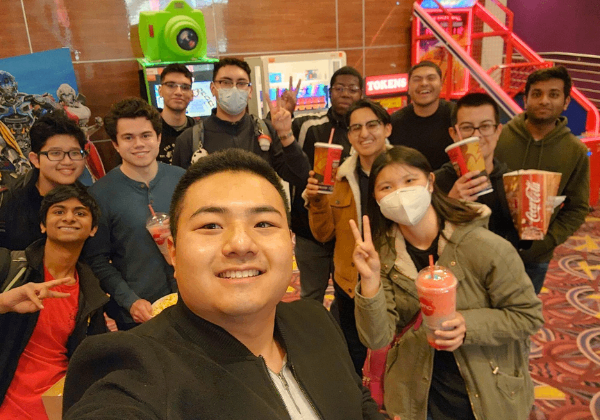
<point x="436" y="287"/>
<point x="159" y="227"/>
<point x="327" y="160"/>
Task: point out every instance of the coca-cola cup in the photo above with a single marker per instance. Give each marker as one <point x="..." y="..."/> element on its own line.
<point x="159" y="227"/>
<point x="466" y="156"/>
<point x="436" y="287"/>
<point x="327" y="160"/>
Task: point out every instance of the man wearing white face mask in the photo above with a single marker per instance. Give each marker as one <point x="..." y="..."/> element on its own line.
<point x="230" y="126"/>
<point x="368" y="128"/>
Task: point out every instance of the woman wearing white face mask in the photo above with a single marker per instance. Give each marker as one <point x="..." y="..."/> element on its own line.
<point x="483" y="373"/>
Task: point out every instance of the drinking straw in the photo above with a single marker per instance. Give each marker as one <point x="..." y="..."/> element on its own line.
<point x="431" y="266"/>
<point x="151" y="210"/>
<point x="331" y="135"/>
<point x="457" y="132"/>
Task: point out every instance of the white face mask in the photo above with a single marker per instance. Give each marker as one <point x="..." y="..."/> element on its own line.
<point x="233" y="100"/>
<point x="406" y="206"/>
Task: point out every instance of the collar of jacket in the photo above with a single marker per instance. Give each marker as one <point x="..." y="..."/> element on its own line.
<point x="393" y="253"/>
<point x="336" y="119"/>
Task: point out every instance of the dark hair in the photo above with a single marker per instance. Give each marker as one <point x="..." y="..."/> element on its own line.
<point x="557" y="72"/>
<point x="425" y="64"/>
<point x="66" y="192"/>
<point x="131" y="108"/>
<point x="53" y="124"/>
<point x="228" y="160"/>
<point x="177" y="68"/>
<point x="474" y="100"/>
<point x="347" y="70"/>
<point x="230" y="61"/>
<point x="377" y="109"/>
<point x="447" y="209"/>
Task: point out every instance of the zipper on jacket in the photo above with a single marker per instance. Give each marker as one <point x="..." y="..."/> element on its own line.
<point x="274" y="387"/>
<point x="293" y="370"/>
<point x="287" y="388"/>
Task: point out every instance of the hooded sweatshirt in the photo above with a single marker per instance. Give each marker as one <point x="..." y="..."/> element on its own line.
<point x="559" y="151"/>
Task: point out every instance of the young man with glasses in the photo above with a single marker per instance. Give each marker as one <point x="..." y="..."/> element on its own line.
<point x="314" y="258"/>
<point x="329" y="215"/>
<point x="57" y="155"/>
<point x="423" y="124"/>
<point x="176" y="90"/>
<point x="123" y="253"/>
<point x="230" y="126"/>
<point x="477" y="114"/>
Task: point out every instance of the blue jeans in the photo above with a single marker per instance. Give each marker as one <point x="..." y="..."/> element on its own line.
<point x="537" y="274"/>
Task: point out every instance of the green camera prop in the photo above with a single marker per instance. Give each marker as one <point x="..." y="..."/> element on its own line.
<point x="177" y="33"/>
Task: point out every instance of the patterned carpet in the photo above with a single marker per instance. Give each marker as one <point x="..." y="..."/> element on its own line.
<point x="565" y="354"/>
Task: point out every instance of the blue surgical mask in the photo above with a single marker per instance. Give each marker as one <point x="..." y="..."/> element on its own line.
<point x="233" y="100"/>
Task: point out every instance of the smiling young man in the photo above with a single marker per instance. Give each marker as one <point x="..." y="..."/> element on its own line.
<point x="57" y="154"/>
<point x="329" y="215"/>
<point x="176" y="90"/>
<point x="477" y="114"/>
<point x="123" y="254"/>
<point x="230" y="126"/>
<point x="540" y="139"/>
<point x="228" y="349"/>
<point x="423" y="124"/>
<point x="314" y="258"/>
<point x="38" y="342"/>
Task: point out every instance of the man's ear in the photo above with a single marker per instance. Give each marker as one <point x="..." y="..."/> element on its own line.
<point x="34" y="158"/>
<point x="567" y="102"/>
<point x="42" y="228"/>
<point x="172" y="251"/>
<point x="213" y="90"/>
<point x="160" y="91"/>
<point x="453" y="134"/>
<point x="93" y="231"/>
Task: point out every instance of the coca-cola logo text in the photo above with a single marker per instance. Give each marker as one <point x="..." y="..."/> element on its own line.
<point x="533" y="194"/>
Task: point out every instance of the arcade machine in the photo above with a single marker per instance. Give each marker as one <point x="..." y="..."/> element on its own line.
<point x="272" y="74"/>
<point x="390" y="90"/>
<point x="176" y="34"/>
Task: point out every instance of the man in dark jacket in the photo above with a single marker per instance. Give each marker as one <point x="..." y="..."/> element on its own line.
<point x="228" y="349"/>
<point x="39" y="338"/>
<point x="477" y="114"/>
<point x="540" y="139"/>
<point x="57" y="154"/>
<point x="315" y="259"/>
<point x="176" y="91"/>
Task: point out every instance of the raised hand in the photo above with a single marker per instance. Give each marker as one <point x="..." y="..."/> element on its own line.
<point x="289" y="97"/>
<point x="366" y="259"/>
<point x="281" y="119"/>
<point x="28" y="297"/>
<point x="312" y="188"/>
<point x="468" y="185"/>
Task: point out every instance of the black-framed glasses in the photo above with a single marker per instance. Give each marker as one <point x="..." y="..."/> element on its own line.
<point x="172" y="85"/>
<point x="58" y="155"/>
<point x="339" y="89"/>
<point x="228" y="84"/>
<point x="372" y="126"/>
<point x="485" y="129"/>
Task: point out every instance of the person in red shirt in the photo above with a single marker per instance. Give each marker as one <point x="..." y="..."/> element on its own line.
<point x="39" y="337"/>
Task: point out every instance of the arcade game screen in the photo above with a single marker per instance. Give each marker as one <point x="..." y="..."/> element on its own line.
<point x="203" y="101"/>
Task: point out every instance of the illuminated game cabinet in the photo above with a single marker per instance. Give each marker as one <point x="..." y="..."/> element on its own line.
<point x="427" y="47"/>
<point x="390" y="90"/>
<point x="176" y="34"/>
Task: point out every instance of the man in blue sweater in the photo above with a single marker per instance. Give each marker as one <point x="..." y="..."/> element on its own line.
<point x="123" y="254"/>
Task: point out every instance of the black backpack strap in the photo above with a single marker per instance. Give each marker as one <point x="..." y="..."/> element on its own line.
<point x="17" y="268"/>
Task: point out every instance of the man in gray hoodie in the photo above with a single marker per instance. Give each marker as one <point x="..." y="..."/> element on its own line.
<point x="540" y="139"/>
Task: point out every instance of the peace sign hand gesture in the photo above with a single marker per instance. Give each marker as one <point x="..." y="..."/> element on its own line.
<point x="281" y="120"/>
<point x="289" y="97"/>
<point x="366" y="259"/>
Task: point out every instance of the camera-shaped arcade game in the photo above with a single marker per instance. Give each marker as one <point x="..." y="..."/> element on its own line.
<point x="176" y="33"/>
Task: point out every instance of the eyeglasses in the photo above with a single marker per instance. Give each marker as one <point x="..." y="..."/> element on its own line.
<point x="485" y="129"/>
<point x="58" y="155"/>
<point x="172" y="85"/>
<point x="339" y="89"/>
<point x="372" y="126"/>
<point x="228" y="84"/>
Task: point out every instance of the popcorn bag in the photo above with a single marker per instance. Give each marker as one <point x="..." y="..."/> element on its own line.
<point x="531" y="197"/>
